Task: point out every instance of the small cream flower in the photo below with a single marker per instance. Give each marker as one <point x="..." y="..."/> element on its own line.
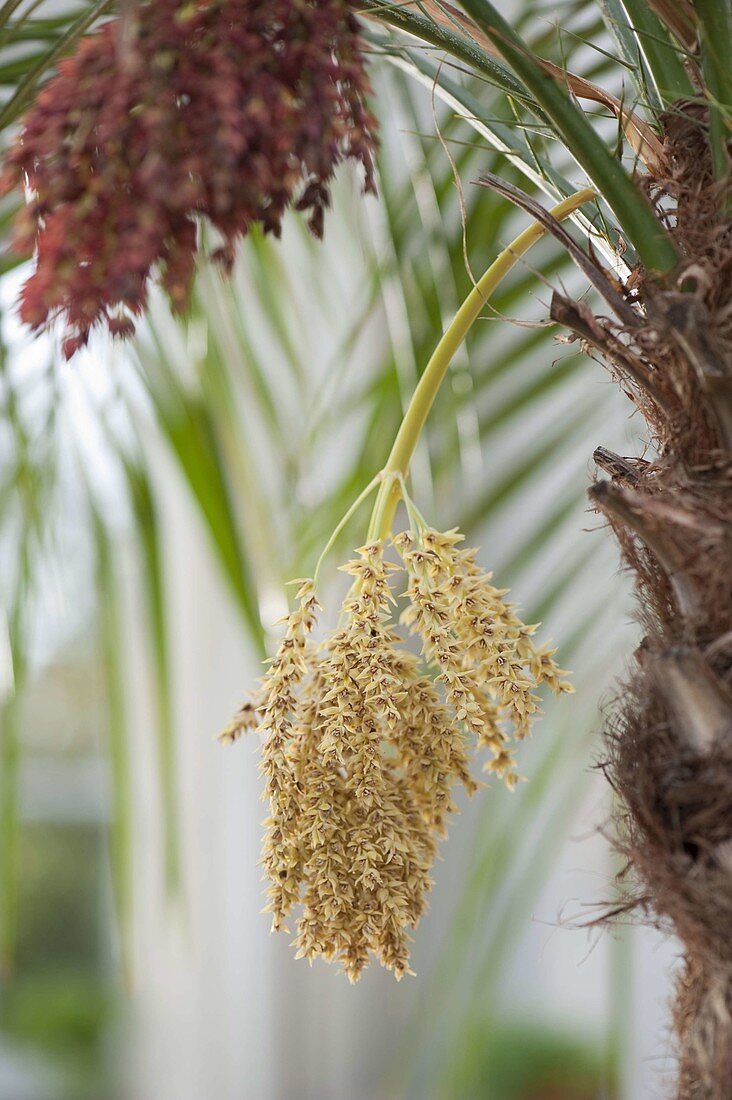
<point x="364" y="742"/>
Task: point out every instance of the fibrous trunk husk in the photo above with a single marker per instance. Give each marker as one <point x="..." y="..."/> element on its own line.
<point x="669" y="743"/>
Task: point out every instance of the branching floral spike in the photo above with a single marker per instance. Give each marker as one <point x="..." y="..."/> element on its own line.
<point x="364" y="741"/>
<point x="233" y="110"/>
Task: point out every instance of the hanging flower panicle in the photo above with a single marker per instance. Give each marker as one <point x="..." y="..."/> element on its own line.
<point x="364" y="741"/>
<point x="230" y="109"/>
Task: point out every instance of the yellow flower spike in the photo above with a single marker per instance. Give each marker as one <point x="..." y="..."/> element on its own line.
<point x="247" y="718"/>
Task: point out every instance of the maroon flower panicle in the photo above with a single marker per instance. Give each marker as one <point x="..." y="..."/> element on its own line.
<point x="232" y="109"/>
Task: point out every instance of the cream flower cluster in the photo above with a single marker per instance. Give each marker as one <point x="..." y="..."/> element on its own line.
<point x="364" y="741"/>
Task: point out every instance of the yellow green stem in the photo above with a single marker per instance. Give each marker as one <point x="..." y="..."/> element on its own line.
<point x="426" y="391"/>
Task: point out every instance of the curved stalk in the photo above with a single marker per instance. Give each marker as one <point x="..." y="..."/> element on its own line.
<point x="423" y="398"/>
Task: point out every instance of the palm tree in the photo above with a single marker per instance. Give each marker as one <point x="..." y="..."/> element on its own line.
<point x="670" y="509"/>
<point x="653" y="252"/>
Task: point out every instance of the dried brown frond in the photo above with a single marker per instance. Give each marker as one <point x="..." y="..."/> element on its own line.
<point x="669" y="743"/>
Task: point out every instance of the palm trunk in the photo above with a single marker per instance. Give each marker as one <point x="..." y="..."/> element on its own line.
<point x="670" y="739"/>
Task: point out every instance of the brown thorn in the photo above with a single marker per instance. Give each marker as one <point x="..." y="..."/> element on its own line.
<point x="578" y="318"/>
<point x="618" y="468"/>
<point x="631" y="508"/>
<point x="700" y="707"/>
<point x="719" y="645"/>
<point x="683" y="319"/>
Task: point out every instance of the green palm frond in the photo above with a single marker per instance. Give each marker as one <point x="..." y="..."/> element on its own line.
<point x="570" y="124"/>
<point x="660" y="55"/>
<point x="147" y="522"/>
<point x="715" y="23"/>
<point x="31" y="45"/>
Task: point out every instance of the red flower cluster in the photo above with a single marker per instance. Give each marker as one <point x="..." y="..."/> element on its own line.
<point x="230" y="109"/>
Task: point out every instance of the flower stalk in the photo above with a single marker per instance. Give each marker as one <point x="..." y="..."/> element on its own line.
<point x="429" y="384"/>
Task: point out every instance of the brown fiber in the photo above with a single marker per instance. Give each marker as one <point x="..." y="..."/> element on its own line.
<point x="669" y="743"/>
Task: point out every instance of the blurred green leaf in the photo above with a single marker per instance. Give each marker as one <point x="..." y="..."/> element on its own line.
<point x="191" y="431"/>
<point x="35" y="67"/>
<point x="121" y="810"/>
<point x="148" y="529"/>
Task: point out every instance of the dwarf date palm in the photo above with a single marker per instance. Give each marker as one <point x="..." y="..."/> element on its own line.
<point x="666" y="341"/>
<point x="352" y="726"/>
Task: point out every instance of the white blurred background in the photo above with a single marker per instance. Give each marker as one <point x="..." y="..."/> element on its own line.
<point x="301" y="366"/>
